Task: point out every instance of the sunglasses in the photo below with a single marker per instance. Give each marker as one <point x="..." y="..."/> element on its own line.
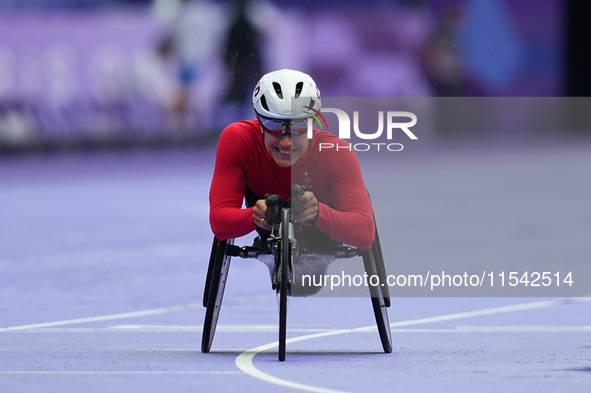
<point x="280" y="127"/>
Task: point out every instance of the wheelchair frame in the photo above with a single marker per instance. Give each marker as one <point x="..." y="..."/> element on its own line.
<point x="281" y="245"/>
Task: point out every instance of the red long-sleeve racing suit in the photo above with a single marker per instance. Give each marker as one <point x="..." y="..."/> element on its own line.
<point x="333" y="175"/>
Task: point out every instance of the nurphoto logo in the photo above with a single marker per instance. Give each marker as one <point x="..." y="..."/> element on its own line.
<point x="396" y="123"/>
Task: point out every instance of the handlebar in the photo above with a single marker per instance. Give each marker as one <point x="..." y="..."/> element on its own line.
<point x="254" y="252"/>
<point x="275" y="204"/>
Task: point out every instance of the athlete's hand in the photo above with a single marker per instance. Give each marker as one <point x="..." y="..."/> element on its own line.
<point x="310" y="212"/>
<point x="259" y="213"/>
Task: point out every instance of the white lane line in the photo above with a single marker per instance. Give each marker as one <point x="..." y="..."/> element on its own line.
<point x="244" y="361"/>
<point x="220" y="328"/>
<point x="166" y="329"/>
<point x="108" y="349"/>
<point x="488" y="311"/>
<point x="273" y="328"/>
<point x="118" y="372"/>
<point x="501" y="329"/>
<point x="523" y="329"/>
<point x="134" y="314"/>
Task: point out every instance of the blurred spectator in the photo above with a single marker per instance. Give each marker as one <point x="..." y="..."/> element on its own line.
<point x="242" y="55"/>
<point x="442" y="58"/>
<point x="16" y="126"/>
<point x="191" y="39"/>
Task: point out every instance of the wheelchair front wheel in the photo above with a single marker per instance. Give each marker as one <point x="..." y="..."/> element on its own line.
<point x="284" y="254"/>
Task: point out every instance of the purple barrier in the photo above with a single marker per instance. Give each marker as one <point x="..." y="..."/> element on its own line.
<point x="96" y="75"/>
<point x="69" y="56"/>
<point x="70" y="75"/>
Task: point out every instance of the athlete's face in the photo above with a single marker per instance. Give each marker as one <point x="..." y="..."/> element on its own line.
<point x="286" y="150"/>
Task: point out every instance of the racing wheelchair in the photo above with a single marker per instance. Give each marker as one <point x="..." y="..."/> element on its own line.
<point x="282" y="246"/>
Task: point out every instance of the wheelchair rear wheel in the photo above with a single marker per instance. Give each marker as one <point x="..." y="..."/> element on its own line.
<point x="210" y="266"/>
<point x="217" y="275"/>
<point x="380" y="303"/>
<point x="381" y="269"/>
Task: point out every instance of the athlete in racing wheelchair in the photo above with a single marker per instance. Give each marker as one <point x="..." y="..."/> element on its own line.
<point x="308" y="206"/>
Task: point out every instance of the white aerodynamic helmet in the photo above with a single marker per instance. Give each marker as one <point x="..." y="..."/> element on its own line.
<point x="286" y="94"/>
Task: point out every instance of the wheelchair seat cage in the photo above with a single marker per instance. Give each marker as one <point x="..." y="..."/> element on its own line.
<point x="282" y="244"/>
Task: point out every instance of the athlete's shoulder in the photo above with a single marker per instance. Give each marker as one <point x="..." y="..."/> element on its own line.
<point x="240" y="139"/>
<point x="244" y="133"/>
<point x="242" y="128"/>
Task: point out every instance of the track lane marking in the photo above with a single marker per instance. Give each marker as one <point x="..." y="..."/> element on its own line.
<point x="270" y="329"/>
<point x="163" y="329"/>
<point x="244" y="361"/>
<point x="133" y="314"/>
<point x="118" y="372"/>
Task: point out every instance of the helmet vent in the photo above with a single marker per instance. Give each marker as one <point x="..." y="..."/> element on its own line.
<point x="277" y="88"/>
<point x="298" y="90"/>
<point x="312" y="103"/>
<point x="264" y="102"/>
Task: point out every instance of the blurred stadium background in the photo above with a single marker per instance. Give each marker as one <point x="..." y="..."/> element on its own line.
<point x="86" y="74"/>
